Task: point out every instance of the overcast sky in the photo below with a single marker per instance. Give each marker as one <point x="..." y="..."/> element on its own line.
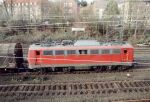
<point x="88" y="1"/>
<point x="80" y="0"/>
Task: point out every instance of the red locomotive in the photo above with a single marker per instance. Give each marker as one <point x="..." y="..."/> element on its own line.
<point x="80" y="55"/>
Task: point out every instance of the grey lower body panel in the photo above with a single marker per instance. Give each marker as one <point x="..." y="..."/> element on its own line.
<point x="80" y="65"/>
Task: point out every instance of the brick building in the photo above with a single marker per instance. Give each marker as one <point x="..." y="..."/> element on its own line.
<point x="70" y="9"/>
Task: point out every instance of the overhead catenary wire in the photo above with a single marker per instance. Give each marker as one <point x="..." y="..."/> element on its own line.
<point x="61" y="25"/>
<point x="94" y="21"/>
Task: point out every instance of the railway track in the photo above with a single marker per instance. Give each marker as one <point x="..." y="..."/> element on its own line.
<point x="141" y="50"/>
<point x="32" y="78"/>
<point x="102" y="89"/>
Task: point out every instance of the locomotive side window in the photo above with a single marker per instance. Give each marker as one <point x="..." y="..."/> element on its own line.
<point x="116" y="51"/>
<point x="94" y="51"/>
<point x="83" y="52"/>
<point x="106" y="51"/>
<point x="125" y="51"/>
<point x="37" y="52"/>
<point x="71" y="52"/>
<point x="48" y="53"/>
<point x="59" y="52"/>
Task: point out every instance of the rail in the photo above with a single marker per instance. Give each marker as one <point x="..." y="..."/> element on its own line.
<point x="102" y="89"/>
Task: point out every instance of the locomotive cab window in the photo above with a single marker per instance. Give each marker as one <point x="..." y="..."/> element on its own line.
<point x="48" y="53"/>
<point x="71" y="52"/>
<point x="82" y="52"/>
<point x="59" y="52"/>
<point x="37" y="53"/>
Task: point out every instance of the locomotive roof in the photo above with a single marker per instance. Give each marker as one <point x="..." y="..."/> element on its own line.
<point x="82" y="44"/>
<point x="87" y="43"/>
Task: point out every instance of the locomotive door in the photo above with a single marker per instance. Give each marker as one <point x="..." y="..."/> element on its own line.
<point x="125" y="55"/>
<point x="37" y="57"/>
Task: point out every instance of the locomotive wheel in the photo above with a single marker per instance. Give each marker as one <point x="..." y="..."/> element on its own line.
<point x="72" y="69"/>
<point x="108" y="68"/>
<point x="93" y="68"/>
<point x="120" y="68"/>
<point x="58" y="69"/>
<point x="66" y="69"/>
<point x="124" y="67"/>
<point x="98" y="69"/>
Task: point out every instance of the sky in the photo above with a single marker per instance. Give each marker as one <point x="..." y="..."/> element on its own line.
<point x="88" y="1"/>
<point x="80" y="0"/>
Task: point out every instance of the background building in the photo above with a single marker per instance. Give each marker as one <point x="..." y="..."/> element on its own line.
<point x="32" y="10"/>
<point x="99" y="7"/>
<point x="135" y="11"/>
<point x="70" y="9"/>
